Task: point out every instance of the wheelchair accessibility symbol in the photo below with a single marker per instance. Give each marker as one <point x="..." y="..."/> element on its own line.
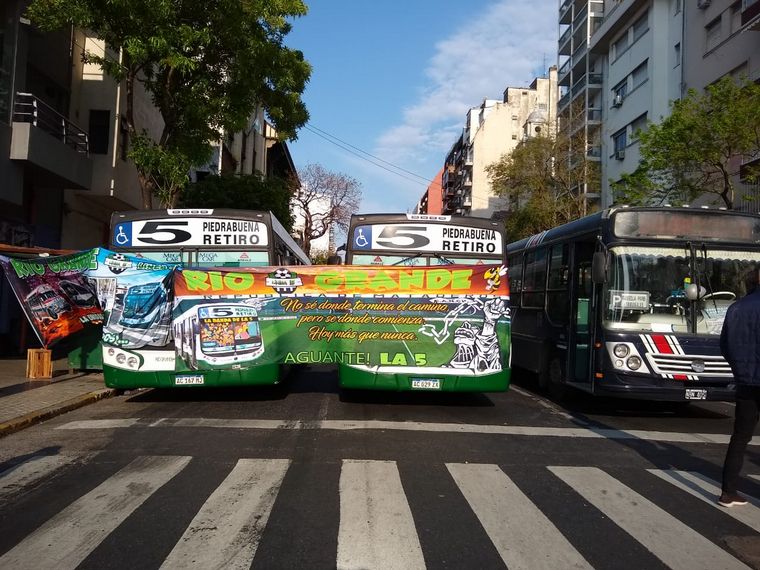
<point x="363" y="237"/>
<point x="123" y="234"/>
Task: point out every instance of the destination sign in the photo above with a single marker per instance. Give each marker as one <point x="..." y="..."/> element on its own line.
<point x="190" y="232"/>
<point x="440" y="238"/>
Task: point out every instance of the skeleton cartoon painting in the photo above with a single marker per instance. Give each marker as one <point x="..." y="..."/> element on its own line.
<point x="478" y="348"/>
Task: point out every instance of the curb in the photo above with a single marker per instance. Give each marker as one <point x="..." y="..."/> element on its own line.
<point x="32" y="418"/>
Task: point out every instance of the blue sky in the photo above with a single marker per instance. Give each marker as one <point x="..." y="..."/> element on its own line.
<point x="395" y="79"/>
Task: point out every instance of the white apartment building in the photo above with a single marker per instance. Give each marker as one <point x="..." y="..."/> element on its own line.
<point x="492" y="130"/>
<point x="638" y="49"/>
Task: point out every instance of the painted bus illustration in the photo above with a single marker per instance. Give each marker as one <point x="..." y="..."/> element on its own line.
<point x="46" y="303"/>
<point x="143" y="305"/>
<point x="80" y="295"/>
<point x="218" y="333"/>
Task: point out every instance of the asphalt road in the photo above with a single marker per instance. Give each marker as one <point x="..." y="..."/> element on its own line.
<point x="304" y="476"/>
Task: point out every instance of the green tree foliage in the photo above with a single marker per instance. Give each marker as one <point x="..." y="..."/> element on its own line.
<point x="206" y="65"/>
<point x="698" y="149"/>
<point x="539" y="179"/>
<point x="252" y="192"/>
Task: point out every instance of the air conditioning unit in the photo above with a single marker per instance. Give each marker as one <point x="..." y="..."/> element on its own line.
<point x="703" y="4"/>
<point x="617" y="101"/>
<point x="620" y="154"/>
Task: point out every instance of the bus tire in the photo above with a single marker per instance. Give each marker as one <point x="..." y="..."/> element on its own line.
<point x="551" y="379"/>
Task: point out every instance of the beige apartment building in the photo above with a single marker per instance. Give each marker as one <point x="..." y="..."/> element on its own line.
<point x="492" y="130"/>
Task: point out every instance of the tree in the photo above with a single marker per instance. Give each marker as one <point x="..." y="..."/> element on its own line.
<point x="324" y="199"/>
<point x="540" y="179"/>
<point x="252" y="192"/>
<point x="698" y="149"/>
<point x="206" y="65"/>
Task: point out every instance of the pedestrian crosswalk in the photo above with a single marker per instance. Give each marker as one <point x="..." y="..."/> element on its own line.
<point x="381" y="522"/>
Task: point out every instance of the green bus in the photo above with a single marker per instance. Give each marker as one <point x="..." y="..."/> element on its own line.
<point x="435" y="240"/>
<point x="194" y="238"/>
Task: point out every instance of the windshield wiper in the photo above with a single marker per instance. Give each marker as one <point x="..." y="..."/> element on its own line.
<point x="407" y="259"/>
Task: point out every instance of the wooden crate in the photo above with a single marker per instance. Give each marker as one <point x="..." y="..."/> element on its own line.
<point x="39" y="364"/>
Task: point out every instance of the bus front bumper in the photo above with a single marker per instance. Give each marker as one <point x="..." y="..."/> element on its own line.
<point x="663" y="389"/>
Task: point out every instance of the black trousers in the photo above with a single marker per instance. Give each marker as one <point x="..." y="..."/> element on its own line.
<point x="745" y="420"/>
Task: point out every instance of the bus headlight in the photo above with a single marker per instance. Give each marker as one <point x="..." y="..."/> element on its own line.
<point x="121" y="358"/>
<point x="633" y="362"/>
<point x="132" y="362"/>
<point x="621" y="350"/>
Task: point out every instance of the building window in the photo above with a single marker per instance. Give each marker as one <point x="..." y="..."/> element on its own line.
<point x="677" y="54"/>
<point x="123" y="137"/>
<point x="619" y="92"/>
<point x="514" y="136"/>
<point x="619" y="47"/>
<point x="736" y="17"/>
<point x="712" y="34"/>
<point x="639" y="74"/>
<point x="641" y="26"/>
<point x="676" y="7"/>
<point x="100" y="122"/>
<point x="638" y="124"/>
<point x="619" y="142"/>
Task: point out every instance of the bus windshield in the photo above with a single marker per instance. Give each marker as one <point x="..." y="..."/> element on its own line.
<point x="417" y="260"/>
<point x="646" y="287"/>
<point x="142" y="300"/>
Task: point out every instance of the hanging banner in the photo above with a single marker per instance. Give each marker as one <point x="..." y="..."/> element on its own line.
<point x="414" y="318"/>
<point x="135" y="294"/>
<point x="55" y="293"/>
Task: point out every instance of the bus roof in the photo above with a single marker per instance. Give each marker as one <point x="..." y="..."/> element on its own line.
<point x="599" y="222"/>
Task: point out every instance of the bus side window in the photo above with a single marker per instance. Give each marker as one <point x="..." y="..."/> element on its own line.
<point x="534" y="282"/>
<point x="557" y="299"/>
<point x="515" y="269"/>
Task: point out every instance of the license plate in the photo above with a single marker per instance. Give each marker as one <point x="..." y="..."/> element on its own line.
<point x="426" y="384"/>
<point x="696" y="393"/>
<point x="189" y="380"/>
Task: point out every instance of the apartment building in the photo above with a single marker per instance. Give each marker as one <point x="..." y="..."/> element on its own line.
<point x="431" y="201"/>
<point x="723" y="37"/>
<point x="638" y="47"/>
<point x="492" y="130"/>
<point x="580" y="80"/>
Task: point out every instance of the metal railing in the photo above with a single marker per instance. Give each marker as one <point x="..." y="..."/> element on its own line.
<point x="29" y="109"/>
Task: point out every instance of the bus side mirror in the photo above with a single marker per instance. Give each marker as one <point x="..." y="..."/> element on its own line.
<point x="334" y="260"/>
<point x="599" y="267"/>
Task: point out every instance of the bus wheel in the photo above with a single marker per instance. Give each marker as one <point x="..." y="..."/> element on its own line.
<point x="551" y="379"/>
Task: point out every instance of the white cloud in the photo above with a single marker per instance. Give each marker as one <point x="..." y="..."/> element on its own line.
<point x="498" y="48"/>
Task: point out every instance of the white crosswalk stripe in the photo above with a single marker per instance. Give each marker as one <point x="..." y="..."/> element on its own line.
<point x="376" y="526"/>
<point x="65" y="540"/>
<point x="29" y="472"/>
<point x="226" y="531"/>
<point x="522" y="534"/>
<point x="708" y="491"/>
<point x="663" y="535"/>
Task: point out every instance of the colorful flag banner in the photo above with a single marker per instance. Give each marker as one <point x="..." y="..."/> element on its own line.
<point x="55" y="294"/>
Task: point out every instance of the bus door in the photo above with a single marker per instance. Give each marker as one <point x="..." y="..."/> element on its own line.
<point x="579" y="346"/>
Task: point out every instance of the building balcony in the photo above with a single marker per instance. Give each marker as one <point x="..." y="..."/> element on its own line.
<point x="580" y="17"/>
<point x="564" y="71"/>
<point x="566" y="12"/>
<point x="594" y="152"/>
<point x="595" y="81"/>
<point x="751" y="14"/>
<point x="564" y="101"/>
<point x="53" y="148"/>
<point x="594" y="116"/>
<point x="467" y="202"/>
<point x="564" y="42"/>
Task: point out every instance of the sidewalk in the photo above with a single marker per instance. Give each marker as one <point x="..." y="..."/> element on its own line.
<point x="25" y="402"/>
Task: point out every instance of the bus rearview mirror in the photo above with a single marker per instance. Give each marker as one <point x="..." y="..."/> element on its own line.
<point x="599" y="267"/>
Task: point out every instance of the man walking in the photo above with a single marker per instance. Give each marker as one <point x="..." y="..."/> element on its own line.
<point x="740" y="345"/>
